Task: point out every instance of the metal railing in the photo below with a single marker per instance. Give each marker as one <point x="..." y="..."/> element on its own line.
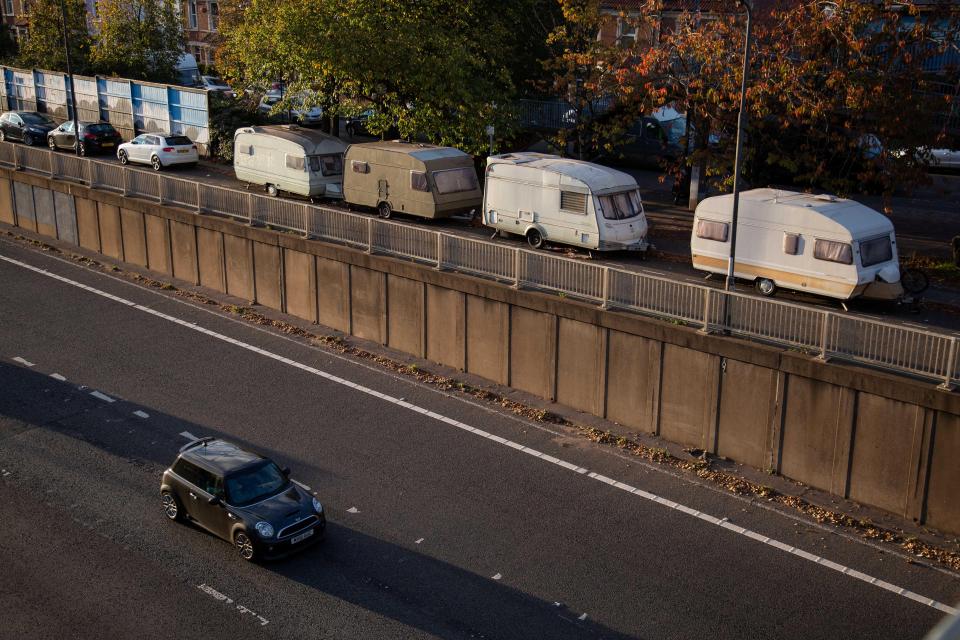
<point x="816" y="331"/>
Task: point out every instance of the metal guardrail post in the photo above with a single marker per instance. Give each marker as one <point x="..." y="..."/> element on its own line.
<point x="516" y="269"/>
<point x="199" y="203"/>
<point x="17" y="162"/>
<point x="51" y="160"/>
<point x="305" y="211"/>
<point x="951" y="366"/>
<point x="707" y="296"/>
<point x="605" y="289"/>
<point x="126" y="179"/>
<point x="439" y="252"/>
<point x="251" y="220"/>
<point x="159" y="188"/>
<point x="824" y="334"/>
<point x="369" y="235"/>
<point x="89" y="166"/>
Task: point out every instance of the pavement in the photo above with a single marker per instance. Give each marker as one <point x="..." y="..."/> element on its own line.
<point x="449" y="518"/>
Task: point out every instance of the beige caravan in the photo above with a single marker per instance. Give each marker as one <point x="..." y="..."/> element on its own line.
<point x="289" y="158"/>
<point x="817" y="243"/>
<point x="417" y="179"/>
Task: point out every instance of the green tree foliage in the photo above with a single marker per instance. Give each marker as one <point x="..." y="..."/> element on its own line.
<point x="436" y="70"/>
<point x="43" y="48"/>
<point x="140" y="39"/>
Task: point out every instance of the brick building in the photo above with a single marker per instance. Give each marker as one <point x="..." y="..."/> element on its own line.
<point x="201" y="20"/>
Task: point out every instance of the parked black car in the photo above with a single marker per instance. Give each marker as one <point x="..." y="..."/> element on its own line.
<point x="28" y="127"/>
<point x="241" y="497"/>
<point x="94" y="137"/>
<point x="357" y="126"/>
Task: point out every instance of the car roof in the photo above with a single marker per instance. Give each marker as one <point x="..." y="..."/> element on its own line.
<point x="219" y="455"/>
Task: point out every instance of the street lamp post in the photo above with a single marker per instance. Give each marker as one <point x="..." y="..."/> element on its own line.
<point x="73" y="94"/>
<point x="738" y="157"/>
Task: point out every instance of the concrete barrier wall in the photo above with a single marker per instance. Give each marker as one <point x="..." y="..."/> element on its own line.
<point x="884" y="440"/>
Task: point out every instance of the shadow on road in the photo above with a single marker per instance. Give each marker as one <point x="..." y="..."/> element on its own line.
<point x="412" y="588"/>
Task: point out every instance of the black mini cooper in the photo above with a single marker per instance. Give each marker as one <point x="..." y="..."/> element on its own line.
<point x="242" y="497"/>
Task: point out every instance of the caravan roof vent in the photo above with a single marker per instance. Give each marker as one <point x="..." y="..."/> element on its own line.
<point x="826" y="197"/>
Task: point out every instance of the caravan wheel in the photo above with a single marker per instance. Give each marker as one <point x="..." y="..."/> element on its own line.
<point x="766" y="287"/>
<point x="384" y="210"/>
<point x="272" y="190"/>
<point x="535" y="238"/>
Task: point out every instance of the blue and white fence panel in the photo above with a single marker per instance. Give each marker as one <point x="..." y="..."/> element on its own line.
<point x="131" y="107"/>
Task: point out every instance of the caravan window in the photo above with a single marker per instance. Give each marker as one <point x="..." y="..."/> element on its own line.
<point x="876" y="251"/>
<point x="456" y="180"/>
<point x="832" y="251"/>
<point x="572" y="201"/>
<point x="359" y="166"/>
<point x="295" y="162"/>
<point x="791" y="243"/>
<point x="620" y="206"/>
<point x="710" y="230"/>
<point x="418" y="181"/>
<point x="329" y="165"/>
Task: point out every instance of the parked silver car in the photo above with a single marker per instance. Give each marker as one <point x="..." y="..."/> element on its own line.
<point x="159" y="150"/>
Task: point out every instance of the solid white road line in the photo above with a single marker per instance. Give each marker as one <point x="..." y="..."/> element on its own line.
<point x="188" y="435"/>
<point x="141" y="414"/>
<point x="57" y="376"/>
<point x="24" y="362"/>
<point x="724" y="522"/>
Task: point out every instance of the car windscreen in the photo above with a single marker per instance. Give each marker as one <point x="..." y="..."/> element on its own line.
<point x="99" y="128"/>
<point x="255" y="484"/>
<point x="178" y="140"/>
<point x="876" y="251"/>
<point x="621" y="206"/>
<point x="456" y="180"/>
<point x="36" y="118"/>
<point x="328" y="165"/>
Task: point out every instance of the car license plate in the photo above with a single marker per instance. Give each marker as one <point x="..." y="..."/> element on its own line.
<point x="300" y="538"/>
<point x="107" y="144"/>
<point x="183" y="150"/>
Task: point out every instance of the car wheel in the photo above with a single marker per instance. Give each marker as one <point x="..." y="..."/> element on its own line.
<point x="52" y="143"/>
<point x="272" y="190"/>
<point x="83" y="150"/>
<point x="384" y="210"/>
<point x="535" y="238"/>
<point x="156" y="164"/>
<point x="766" y="286"/>
<point x="3" y="136"/>
<point x="27" y="139"/>
<point x="171" y="506"/>
<point x="122" y="156"/>
<point x="244" y="545"/>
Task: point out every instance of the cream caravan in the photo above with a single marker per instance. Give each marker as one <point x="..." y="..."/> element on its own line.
<point x="549" y="198"/>
<point x="289" y="158"/>
<point x="817" y="243"/>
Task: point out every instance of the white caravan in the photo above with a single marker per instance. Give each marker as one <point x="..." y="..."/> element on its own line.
<point x="290" y="158"/>
<point x="549" y="198"/>
<point x="817" y="243"/>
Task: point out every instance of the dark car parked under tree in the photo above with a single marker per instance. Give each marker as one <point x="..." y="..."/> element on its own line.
<point x="28" y="127"/>
<point x="242" y="497"/>
<point x="94" y="137"/>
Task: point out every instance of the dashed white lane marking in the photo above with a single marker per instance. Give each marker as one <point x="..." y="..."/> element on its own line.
<point x="496" y="576"/>
<point x="301" y="485"/>
<point x="102" y="396"/>
<point x="57" y="376"/>
<point x="25" y="363"/>
<point x="141" y="414"/>
<point x="582" y="617"/>
<point x="724" y="522"/>
<point x="188" y="435"/>
<point x="419" y="540"/>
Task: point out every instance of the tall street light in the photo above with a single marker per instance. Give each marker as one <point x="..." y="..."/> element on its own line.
<point x="738" y="157"/>
<point x="73" y="93"/>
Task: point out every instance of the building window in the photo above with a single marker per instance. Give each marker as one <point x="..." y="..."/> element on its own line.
<point x="626" y="33"/>
<point x="214" y="15"/>
<point x="192" y="13"/>
<point x="8" y="7"/>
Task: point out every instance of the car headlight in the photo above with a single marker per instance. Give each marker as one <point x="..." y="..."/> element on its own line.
<point x="265" y="529"/>
<point x="317" y="506"/>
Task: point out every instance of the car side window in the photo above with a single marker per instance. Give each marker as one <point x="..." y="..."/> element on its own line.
<point x="153" y="140"/>
<point x="210" y="483"/>
<point x="188" y="471"/>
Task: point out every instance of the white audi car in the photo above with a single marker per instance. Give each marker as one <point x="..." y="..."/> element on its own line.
<point x="159" y="150"/>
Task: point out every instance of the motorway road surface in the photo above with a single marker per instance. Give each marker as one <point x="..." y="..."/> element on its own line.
<point x="673" y="240"/>
<point x="448" y="519"/>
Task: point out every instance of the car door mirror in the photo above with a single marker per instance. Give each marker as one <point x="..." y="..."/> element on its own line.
<point x="286" y="471"/>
